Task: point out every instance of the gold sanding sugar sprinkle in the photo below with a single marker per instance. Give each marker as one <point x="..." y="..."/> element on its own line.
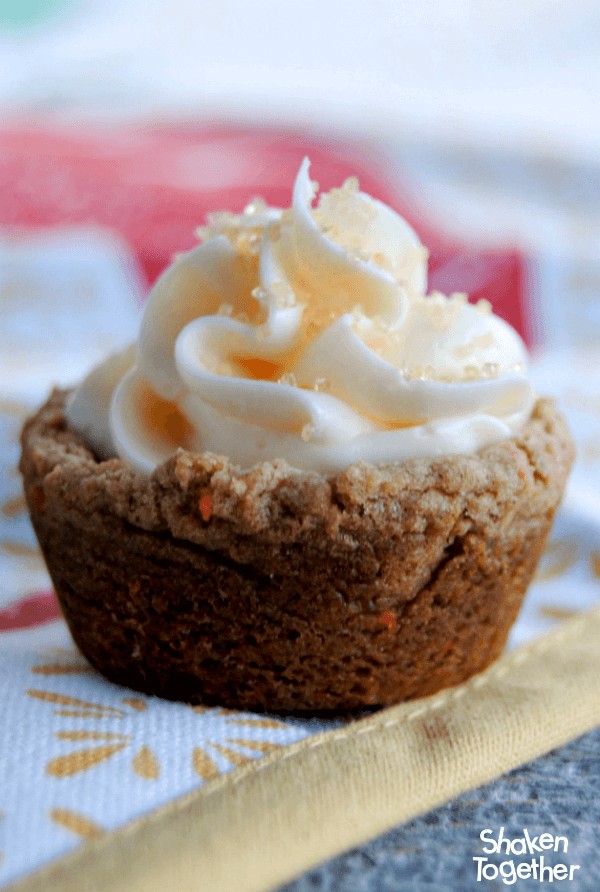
<point x="490" y="369"/>
<point x="248" y="241"/>
<point x="256" y="206"/>
<point x="343" y="216"/>
<point x="283" y="295"/>
<point x="274" y="232"/>
<point x="484" y="341"/>
<point x="260" y="294"/>
<point x="442" y="312"/>
<point x="419" y="373"/>
<point x="243" y="232"/>
<point x="349" y="188"/>
<point x="471" y="373"/>
<point x="219" y="220"/>
<point x="263" y="298"/>
<point x="350" y="185"/>
<point x="322" y="385"/>
<point x="383" y="262"/>
<point x="223" y="368"/>
<point x="455" y="301"/>
<point x="289" y="378"/>
<point x="315" y="318"/>
<point x="480" y="342"/>
<point x="308" y="432"/>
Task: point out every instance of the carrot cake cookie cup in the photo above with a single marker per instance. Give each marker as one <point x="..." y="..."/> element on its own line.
<point x="310" y="486"/>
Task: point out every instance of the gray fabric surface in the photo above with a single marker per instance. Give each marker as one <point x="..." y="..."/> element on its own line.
<point x="557" y="794"/>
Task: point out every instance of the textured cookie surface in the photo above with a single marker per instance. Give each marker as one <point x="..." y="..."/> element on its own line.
<point x="282" y="589"/>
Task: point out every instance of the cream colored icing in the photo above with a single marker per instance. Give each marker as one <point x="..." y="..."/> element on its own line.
<point x="306" y="335"/>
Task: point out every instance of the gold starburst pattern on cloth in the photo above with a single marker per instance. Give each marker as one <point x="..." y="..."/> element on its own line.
<point x="559" y="557"/>
<point x="75" y="822"/>
<point x="101" y="746"/>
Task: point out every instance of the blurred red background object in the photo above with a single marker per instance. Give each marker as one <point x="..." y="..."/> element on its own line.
<point x="154" y="186"/>
<point x="32" y="610"/>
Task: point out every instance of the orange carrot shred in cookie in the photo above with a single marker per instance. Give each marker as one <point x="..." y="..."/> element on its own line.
<point x="205" y="504"/>
<point x="389" y="620"/>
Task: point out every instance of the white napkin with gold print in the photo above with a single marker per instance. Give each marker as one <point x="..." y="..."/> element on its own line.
<point x="80" y="756"/>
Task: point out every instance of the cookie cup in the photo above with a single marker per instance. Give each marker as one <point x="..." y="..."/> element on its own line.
<point x="284" y="590"/>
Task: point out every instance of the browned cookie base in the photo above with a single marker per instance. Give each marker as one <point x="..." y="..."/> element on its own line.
<point x="283" y="590"/>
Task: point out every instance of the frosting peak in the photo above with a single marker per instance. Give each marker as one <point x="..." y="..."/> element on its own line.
<point x="306" y="334"/>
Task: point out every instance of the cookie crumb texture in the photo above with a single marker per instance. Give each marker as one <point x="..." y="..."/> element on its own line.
<point x="284" y="590"/>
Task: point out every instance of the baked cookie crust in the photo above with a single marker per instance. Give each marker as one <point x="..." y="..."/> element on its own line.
<point x="286" y="590"/>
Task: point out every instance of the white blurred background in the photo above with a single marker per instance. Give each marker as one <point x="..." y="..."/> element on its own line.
<point x="512" y="73"/>
<point x="489" y="110"/>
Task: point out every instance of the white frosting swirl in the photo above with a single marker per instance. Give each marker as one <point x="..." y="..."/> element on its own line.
<point x="306" y="335"/>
